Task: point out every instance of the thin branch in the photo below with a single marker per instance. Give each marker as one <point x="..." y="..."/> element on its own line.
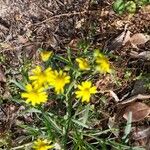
<point x="62" y="15"/>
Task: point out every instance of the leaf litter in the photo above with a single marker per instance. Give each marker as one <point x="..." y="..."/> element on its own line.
<point x="52" y="25"/>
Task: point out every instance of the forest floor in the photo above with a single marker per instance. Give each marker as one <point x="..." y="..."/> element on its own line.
<point x="56" y="25"/>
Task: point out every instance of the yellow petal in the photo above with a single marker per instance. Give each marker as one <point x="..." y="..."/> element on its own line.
<point x="45" y="55"/>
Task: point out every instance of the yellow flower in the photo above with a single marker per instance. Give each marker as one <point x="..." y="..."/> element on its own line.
<point x="41" y="77"/>
<point x="34" y="94"/>
<point x="45" y="55"/>
<point x="59" y="80"/>
<point x="42" y="145"/>
<point x="83" y="63"/>
<point x="97" y="54"/>
<point x="85" y="91"/>
<point x="102" y="63"/>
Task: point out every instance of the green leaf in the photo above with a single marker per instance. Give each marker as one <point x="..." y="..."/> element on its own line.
<point x="33" y="131"/>
<point x="51" y="123"/>
<point x="130" y="7"/>
<point x="33" y="110"/>
<point x="18" y="84"/>
<point x="80" y="123"/>
<point x="141" y="2"/>
<point x="128" y="127"/>
<point x="86" y="114"/>
<point x="61" y="59"/>
<point x="119" y="6"/>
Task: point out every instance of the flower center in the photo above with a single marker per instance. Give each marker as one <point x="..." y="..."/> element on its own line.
<point x="85" y="64"/>
<point x="60" y="81"/>
<point x="42" y="77"/>
<point x="42" y="146"/>
<point x="34" y="94"/>
<point x="86" y="91"/>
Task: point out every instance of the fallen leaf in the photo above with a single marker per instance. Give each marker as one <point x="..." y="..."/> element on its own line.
<point x="114" y="95"/>
<point x="2" y="76"/>
<point x="141" y="134"/>
<point x="134" y="98"/>
<point x="5" y="45"/>
<point x="139" y="39"/>
<point x="79" y="23"/>
<point x="6" y="94"/>
<point x="22" y="40"/>
<point x="139" y="111"/>
<point x="53" y="40"/>
<point x="113" y="125"/>
<point x="146" y="9"/>
<point x="126" y="38"/>
<point x="122" y="39"/>
<point x="73" y="44"/>
<point x="144" y="55"/>
<point x="139" y="87"/>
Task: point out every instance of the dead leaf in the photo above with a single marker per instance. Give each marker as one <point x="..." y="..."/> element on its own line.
<point x="139" y="111"/>
<point x="5" y="45"/>
<point x="114" y="95"/>
<point x="141" y="134"/>
<point x="146" y="9"/>
<point x="113" y="125"/>
<point x="139" y="39"/>
<point x="122" y="39"/>
<point x="144" y="55"/>
<point x="139" y="87"/>
<point x="22" y="40"/>
<point x="73" y="44"/>
<point x="2" y="76"/>
<point x="53" y="40"/>
<point x="6" y="94"/>
<point x="134" y="98"/>
<point x="126" y="38"/>
<point x="79" y="23"/>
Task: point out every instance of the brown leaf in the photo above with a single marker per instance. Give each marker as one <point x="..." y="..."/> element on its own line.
<point x="2" y="76"/>
<point x="79" y="23"/>
<point x="144" y="55"/>
<point x="122" y="39"/>
<point x="146" y="9"/>
<point x="139" y="39"/>
<point x="22" y="40"/>
<point x="141" y="134"/>
<point x="139" y="111"/>
<point x="126" y="38"/>
<point x="5" y="45"/>
<point x="113" y="125"/>
<point x="6" y="94"/>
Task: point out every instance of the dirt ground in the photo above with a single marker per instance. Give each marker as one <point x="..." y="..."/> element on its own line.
<point x="26" y="25"/>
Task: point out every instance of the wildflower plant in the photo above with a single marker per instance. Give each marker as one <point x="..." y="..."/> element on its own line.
<point x="70" y="121"/>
